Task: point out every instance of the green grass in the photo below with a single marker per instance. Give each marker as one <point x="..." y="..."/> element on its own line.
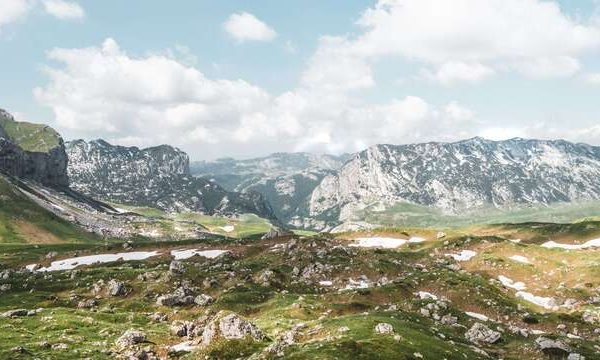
<point x="31" y="137"/>
<point x="405" y="214"/>
<point x="18" y="211"/>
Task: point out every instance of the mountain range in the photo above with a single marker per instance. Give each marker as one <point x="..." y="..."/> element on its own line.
<point x="303" y="190"/>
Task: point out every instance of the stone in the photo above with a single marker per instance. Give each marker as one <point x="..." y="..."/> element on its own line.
<point x="176" y="267"/>
<point x="131" y="337"/>
<point x="384" y="328"/>
<point x="203" y="300"/>
<point x="479" y="333"/>
<point x="15" y="313"/>
<point x="116" y="288"/>
<point x="575" y="356"/>
<point x="230" y="327"/>
<point x="552" y="347"/>
<point x="87" y="304"/>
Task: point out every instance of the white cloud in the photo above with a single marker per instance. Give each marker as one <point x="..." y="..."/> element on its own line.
<point x="64" y="10"/>
<point x="104" y="92"/>
<point x="13" y="10"/>
<point x="466" y="39"/>
<point x="246" y="27"/>
<point x="592" y="78"/>
<point x="452" y="73"/>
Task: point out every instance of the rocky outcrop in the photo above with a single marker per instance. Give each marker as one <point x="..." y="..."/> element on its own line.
<point x="462" y="175"/>
<point x="31" y="151"/>
<point x="156" y="177"/>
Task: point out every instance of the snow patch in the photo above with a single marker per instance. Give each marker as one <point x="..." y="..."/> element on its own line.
<point x="188" y="253"/>
<point x="586" y="245"/>
<point x="545" y="302"/>
<point x="379" y="242"/>
<point x="511" y="283"/>
<point x="72" y="263"/>
<point x="228" y="228"/>
<point x="326" y="283"/>
<point x="424" y="295"/>
<point x="521" y="259"/>
<point x="464" y="255"/>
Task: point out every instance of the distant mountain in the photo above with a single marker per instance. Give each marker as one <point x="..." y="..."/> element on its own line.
<point x="156" y="177"/>
<point x="286" y="180"/>
<point x="462" y="175"/>
<point x="32" y="151"/>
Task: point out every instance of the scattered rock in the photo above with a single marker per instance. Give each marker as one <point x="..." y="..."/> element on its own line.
<point x="230" y="327"/>
<point x="203" y="300"/>
<point x="479" y="333"/>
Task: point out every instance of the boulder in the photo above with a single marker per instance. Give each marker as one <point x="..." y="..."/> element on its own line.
<point x="131" y="337"/>
<point x="15" y="313"/>
<point x="552" y="347"/>
<point x="116" y="288"/>
<point x="203" y="300"/>
<point x="230" y="327"/>
<point x="479" y="333"/>
<point x="384" y="328"/>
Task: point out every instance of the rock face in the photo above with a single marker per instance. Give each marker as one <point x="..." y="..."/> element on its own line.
<point x="286" y="180"/>
<point x="461" y="175"/>
<point x="116" y="173"/>
<point x="31" y="151"/>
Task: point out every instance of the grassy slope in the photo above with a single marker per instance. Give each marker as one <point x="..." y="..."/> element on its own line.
<point x="92" y="332"/>
<point x="31" y="137"/>
<point x="23" y="221"/>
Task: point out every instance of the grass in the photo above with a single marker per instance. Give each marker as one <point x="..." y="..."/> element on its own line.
<point x="31" y="137"/>
<point x="405" y="214"/>
<point x="23" y="221"/>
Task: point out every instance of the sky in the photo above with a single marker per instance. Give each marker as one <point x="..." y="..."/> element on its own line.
<point x="244" y="79"/>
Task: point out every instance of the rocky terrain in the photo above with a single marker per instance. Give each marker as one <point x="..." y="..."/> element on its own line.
<point x="394" y="294"/>
<point x="157" y="177"/>
<point x="32" y="151"/>
<point x="286" y="180"/>
<point x="455" y="177"/>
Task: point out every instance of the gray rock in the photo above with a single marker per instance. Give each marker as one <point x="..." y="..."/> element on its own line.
<point x="131" y="337"/>
<point x="230" y="327"/>
<point x="575" y="356"/>
<point x="176" y="267"/>
<point x="552" y="347"/>
<point x="384" y="328"/>
<point x="203" y="300"/>
<point x="480" y="333"/>
<point x="15" y="313"/>
<point x="116" y="288"/>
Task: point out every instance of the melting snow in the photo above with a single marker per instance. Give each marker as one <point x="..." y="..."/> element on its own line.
<point x="521" y="259"/>
<point x="589" y="244"/>
<point x="228" y="228"/>
<point x="326" y="283"/>
<point x="360" y="284"/>
<point x="424" y="295"/>
<point x="186" y="346"/>
<point x="188" y="253"/>
<point x="545" y="302"/>
<point x="379" y="242"/>
<point x="511" y="284"/>
<point x="477" y="316"/>
<point x="416" y="240"/>
<point x="464" y="255"/>
<point x="72" y="263"/>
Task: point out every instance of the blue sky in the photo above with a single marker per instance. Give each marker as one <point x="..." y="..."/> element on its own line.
<point x="242" y="79"/>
